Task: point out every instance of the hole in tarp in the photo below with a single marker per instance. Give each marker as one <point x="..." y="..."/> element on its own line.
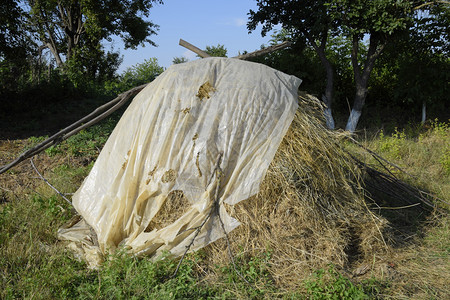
<point x="205" y="90"/>
<point x="174" y="206"/>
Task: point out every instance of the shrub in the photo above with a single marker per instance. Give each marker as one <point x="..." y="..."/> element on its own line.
<point x="139" y="74"/>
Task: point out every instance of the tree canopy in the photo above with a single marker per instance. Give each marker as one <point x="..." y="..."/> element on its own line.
<point x="219" y="50"/>
<point x="64" y="26"/>
<point x="37" y="35"/>
<point x="309" y="22"/>
<point x="376" y="23"/>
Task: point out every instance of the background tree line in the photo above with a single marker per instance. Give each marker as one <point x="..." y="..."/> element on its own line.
<point x="391" y="54"/>
<point x="58" y="43"/>
<point x="380" y="59"/>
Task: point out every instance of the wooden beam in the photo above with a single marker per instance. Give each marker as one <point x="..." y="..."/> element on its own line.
<point x="203" y="54"/>
<point x="194" y="49"/>
<point x="264" y="51"/>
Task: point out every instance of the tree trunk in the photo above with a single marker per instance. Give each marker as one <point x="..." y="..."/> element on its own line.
<point x="327" y="98"/>
<point x="72" y="19"/>
<point x="424" y="112"/>
<point x="362" y="77"/>
<point x="55" y="53"/>
<point x="67" y="19"/>
<point x="360" y="98"/>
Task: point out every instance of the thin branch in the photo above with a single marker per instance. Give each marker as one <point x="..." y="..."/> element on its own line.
<point x="219" y="173"/>
<point x="390" y="184"/>
<point x="230" y="253"/>
<point x="49" y="184"/>
<point x="63" y="15"/>
<point x="214" y="210"/>
<point x="375" y="155"/>
<point x="211" y="212"/>
<point x="398" y="207"/>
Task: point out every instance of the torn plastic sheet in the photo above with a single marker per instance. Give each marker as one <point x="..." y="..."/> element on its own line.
<point x="169" y="139"/>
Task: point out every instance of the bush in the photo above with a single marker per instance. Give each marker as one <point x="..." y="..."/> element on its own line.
<point x="135" y="75"/>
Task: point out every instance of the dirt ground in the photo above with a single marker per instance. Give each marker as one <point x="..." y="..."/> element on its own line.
<point x="23" y="180"/>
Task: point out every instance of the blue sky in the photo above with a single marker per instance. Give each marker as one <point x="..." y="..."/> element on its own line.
<point x="199" y="22"/>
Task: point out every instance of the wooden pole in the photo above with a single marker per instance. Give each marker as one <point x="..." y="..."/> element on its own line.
<point x="203" y="54"/>
<point x="194" y="49"/>
<point x="264" y="51"/>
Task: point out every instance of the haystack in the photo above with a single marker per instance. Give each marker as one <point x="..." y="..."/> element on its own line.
<point x="201" y="139"/>
<point x="311" y="209"/>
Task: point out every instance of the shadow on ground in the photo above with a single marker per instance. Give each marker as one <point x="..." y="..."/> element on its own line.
<point x="23" y="118"/>
<point x="407" y="208"/>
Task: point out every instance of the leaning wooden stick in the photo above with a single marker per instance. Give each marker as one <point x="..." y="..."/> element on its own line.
<point x="264" y="51"/>
<point x="194" y="49"/>
<point x="97" y="115"/>
<point x="203" y="54"/>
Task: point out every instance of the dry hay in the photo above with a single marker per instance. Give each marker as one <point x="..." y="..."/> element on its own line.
<point x="310" y="210"/>
<point x="174" y="206"/>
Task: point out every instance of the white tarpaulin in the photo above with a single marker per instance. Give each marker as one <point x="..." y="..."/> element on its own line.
<point x="207" y="124"/>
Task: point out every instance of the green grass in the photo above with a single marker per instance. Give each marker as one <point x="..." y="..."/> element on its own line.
<point x="34" y="264"/>
<point x="422" y="151"/>
<point x="330" y="284"/>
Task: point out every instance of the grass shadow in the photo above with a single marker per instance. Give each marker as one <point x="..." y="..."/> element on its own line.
<point x="407" y="208"/>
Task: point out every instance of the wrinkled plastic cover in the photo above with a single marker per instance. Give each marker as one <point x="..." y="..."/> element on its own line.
<point x="208" y="128"/>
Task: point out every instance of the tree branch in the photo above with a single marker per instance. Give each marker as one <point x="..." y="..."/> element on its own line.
<point x="62" y="14"/>
<point x="354" y="56"/>
<point x="51" y="43"/>
<point x="47" y="182"/>
<point x="310" y="40"/>
<point x="211" y="212"/>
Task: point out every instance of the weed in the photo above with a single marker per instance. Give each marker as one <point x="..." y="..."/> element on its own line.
<point x="330" y="284"/>
<point x="5" y="213"/>
<point x="445" y="160"/>
<point x="256" y="273"/>
<point x="51" y="206"/>
<point x="124" y="276"/>
<point x="53" y="150"/>
<point x="393" y="144"/>
<point x="440" y="128"/>
<point x="374" y="287"/>
<point x="87" y="143"/>
<point x="33" y="141"/>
